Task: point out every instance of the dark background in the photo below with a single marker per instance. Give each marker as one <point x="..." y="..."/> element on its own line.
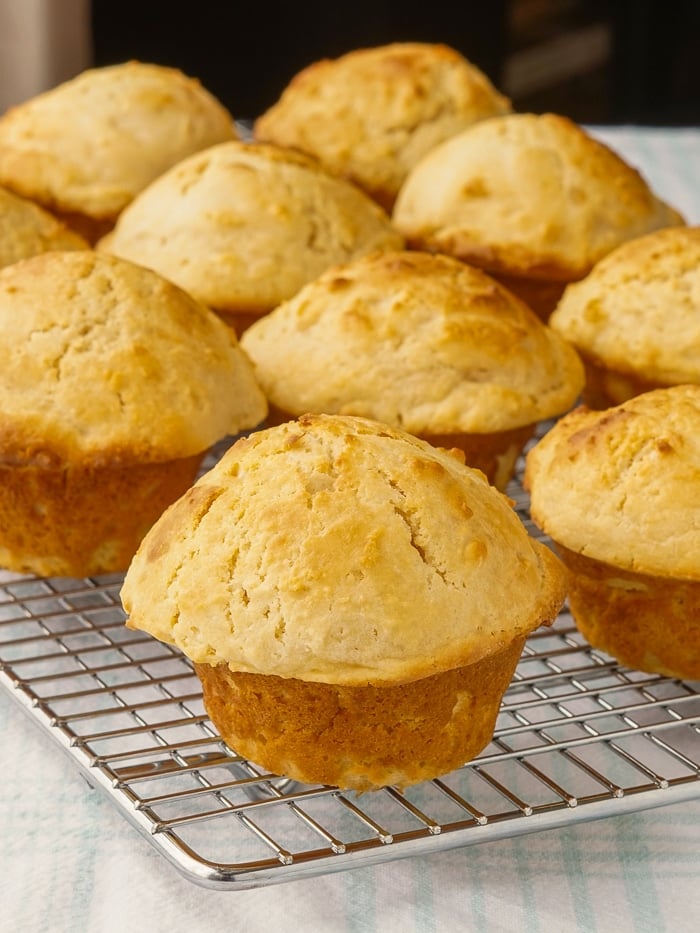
<point x="605" y="61"/>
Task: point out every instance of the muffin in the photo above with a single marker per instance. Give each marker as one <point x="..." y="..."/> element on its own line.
<point x="355" y="601"/>
<point x="635" y="318"/>
<point x="422" y="342"/>
<point x="85" y="148"/>
<point x="113" y="385"/>
<point x="27" y="229"/>
<point x="618" y="491"/>
<point x="243" y="226"/>
<point x="532" y="199"/>
<point x="370" y="115"/>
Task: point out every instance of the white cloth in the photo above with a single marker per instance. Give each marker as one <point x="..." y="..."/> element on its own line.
<point x="70" y="863"/>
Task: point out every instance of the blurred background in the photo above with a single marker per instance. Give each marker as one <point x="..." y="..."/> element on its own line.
<point x="596" y="61"/>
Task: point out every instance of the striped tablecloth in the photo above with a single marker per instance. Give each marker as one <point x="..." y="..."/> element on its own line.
<point x="69" y="863"/>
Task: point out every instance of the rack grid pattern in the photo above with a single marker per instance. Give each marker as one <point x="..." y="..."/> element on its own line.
<point x="578" y="738"/>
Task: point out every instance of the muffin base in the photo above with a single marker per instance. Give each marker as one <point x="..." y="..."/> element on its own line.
<point x="238" y="321"/>
<point x="91" y="228"/>
<point x="541" y="295"/>
<point x="494" y="454"/>
<point x="359" y="737"/>
<point x="606" y="388"/>
<point x="82" y="521"/>
<point x="648" y="623"/>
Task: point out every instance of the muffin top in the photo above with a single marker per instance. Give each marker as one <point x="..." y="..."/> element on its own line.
<point x="622" y="486"/>
<point x="527" y="195"/>
<point x="243" y="226"/>
<point x="338" y="550"/>
<point x="27" y="229"/>
<point x="419" y="341"/>
<point x="371" y="114"/>
<point x="638" y="310"/>
<point x="103" y="360"/>
<point x="91" y="144"/>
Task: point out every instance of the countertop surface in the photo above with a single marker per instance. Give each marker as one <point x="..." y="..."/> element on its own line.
<point x="69" y="861"/>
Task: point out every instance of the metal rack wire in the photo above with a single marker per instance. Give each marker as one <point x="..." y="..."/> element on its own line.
<point x="578" y="738"/>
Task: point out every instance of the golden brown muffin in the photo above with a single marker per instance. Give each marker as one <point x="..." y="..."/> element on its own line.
<point x="372" y="114"/>
<point x="27" y="230"/>
<point x="533" y="200"/>
<point x="422" y="342"/>
<point x="354" y="599"/>
<point x="619" y="493"/>
<point x="113" y="385"/>
<point x="85" y="148"/>
<point x="635" y="319"/>
<point x="243" y="226"/>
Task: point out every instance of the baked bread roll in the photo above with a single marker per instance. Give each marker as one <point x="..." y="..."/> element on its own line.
<point x="242" y="227"/>
<point x="113" y="385"/>
<point x="635" y="318"/>
<point x="618" y="492"/>
<point x="85" y="148"/>
<point x="532" y="199"/>
<point x="27" y="230"/>
<point x="422" y="342"/>
<point x="371" y="115"/>
<point x="355" y="600"/>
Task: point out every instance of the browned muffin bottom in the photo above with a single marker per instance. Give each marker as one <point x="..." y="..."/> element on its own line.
<point x="360" y="737"/>
<point x="494" y="454"/>
<point x="648" y="623"/>
<point x="91" y="229"/>
<point x="606" y="388"/>
<point x="541" y="295"/>
<point x="79" y="520"/>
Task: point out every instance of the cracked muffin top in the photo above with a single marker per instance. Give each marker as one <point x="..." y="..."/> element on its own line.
<point x="91" y="144"/>
<point x="530" y="195"/>
<point x="622" y="485"/>
<point x="371" y="115"/>
<point x="638" y="310"/>
<point x="27" y="230"/>
<point x="102" y="360"/>
<point x="338" y="550"/>
<point x="416" y="340"/>
<point x="243" y="226"/>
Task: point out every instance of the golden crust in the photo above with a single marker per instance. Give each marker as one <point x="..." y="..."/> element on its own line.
<point x="527" y="195"/>
<point x="339" y="550"/>
<point x="638" y="311"/>
<point x="622" y="486"/>
<point x="419" y="341"/>
<point x="243" y="227"/>
<point x="26" y="230"/>
<point x="91" y="144"/>
<point x="371" y="115"/>
<point x="103" y="361"/>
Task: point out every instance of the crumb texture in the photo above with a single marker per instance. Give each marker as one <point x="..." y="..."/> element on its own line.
<point x="27" y="230"/>
<point x="244" y="226"/>
<point x="622" y="485"/>
<point x="338" y="550"/>
<point x="525" y="194"/>
<point x="103" y="360"/>
<point x="91" y="144"/>
<point x="419" y="341"/>
<point x="638" y="310"/>
<point x="372" y="114"/>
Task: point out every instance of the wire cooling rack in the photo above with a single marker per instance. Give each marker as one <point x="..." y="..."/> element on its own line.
<point x="578" y="738"/>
